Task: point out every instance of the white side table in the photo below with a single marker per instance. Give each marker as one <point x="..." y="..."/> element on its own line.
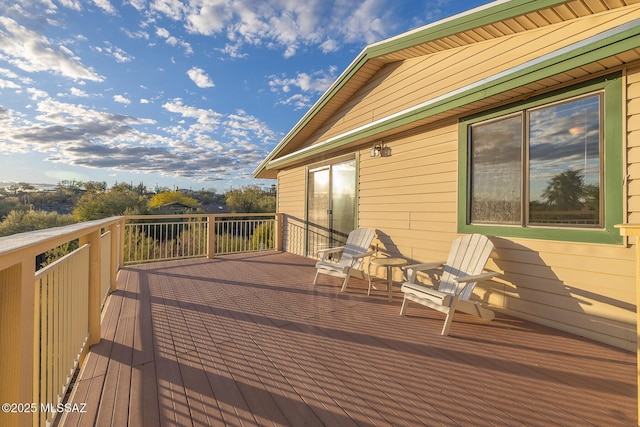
<point x="389" y="263"/>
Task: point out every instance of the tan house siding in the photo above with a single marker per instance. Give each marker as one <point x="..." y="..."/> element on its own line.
<point x="291" y="201"/>
<point x="404" y="84"/>
<point x="411" y="195"/>
<point x="586" y="289"/>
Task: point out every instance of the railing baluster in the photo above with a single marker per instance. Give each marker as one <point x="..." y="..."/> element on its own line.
<point x="186" y="236"/>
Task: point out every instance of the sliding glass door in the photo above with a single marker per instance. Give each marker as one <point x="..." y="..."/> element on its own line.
<point x="331" y="205"/>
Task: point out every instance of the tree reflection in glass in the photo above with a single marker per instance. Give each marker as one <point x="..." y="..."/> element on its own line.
<point x="564" y="163"/>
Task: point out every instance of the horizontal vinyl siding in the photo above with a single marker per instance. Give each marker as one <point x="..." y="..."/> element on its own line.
<point x="577" y="286"/>
<point x="410" y="197"/>
<point x="291" y="202"/>
<point x="404" y="84"/>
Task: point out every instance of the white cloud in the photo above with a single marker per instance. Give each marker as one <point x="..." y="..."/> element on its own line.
<point x="298" y="101"/>
<point x="329" y="45"/>
<point x="288" y="25"/>
<point x="317" y="82"/>
<point x="174" y="9"/>
<point x="366" y="22"/>
<point x="8" y="73"/>
<point x="138" y="4"/>
<point x="205" y="117"/>
<point x="300" y="91"/>
<point x="71" y="4"/>
<point x="77" y="135"/>
<point x="143" y="35"/>
<point x="31" y="52"/>
<point x="121" y="99"/>
<point x="191" y="141"/>
<point x="233" y="50"/>
<point x="78" y="92"/>
<point x="209" y="18"/>
<point x="173" y="41"/>
<point x="200" y="77"/>
<point x="37" y="94"/>
<point x="118" y="54"/>
<point x="6" y="84"/>
<point x="105" y="5"/>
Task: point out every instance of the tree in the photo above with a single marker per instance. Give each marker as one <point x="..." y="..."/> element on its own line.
<point x="22" y="221"/>
<point x="9" y="204"/>
<point x="172" y="197"/>
<point x="565" y="191"/>
<point x="95" y="186"/>
<point x="111" y="203"/>
<point x="592" y="197"/>
<point x="251" y="199"/>
<point x="73" y="185"/>
<point x="263" y="236"/>
<point x="209" y="197"/>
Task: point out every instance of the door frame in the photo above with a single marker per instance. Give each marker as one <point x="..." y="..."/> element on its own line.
<point x="328" y="163"/>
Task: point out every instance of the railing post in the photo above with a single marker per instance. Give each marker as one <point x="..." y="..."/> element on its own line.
<point x="121" y="223"/>
<point x="279" y="229"/>
<point x="211" y="236"/>
<point x="18" y="318"/>
<point x="93" y="239"/>
<point x="115" y="256"/>
<point x="30" y="315"/>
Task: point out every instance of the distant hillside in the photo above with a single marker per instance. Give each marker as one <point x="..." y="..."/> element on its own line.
<point x="38" y="187"/>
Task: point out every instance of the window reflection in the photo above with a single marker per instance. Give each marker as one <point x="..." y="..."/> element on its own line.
<point x="497" y="171"/>
<point x="562" y="173"/>
<point x="564" y="163"/>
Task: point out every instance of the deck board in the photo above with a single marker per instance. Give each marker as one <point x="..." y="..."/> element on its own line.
<point x="248" y="340"/>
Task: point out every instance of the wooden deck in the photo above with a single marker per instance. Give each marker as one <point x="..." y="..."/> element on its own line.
<point x="247" y="340"/>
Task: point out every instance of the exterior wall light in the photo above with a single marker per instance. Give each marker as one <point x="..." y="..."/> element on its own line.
<point x="380" y="150"/>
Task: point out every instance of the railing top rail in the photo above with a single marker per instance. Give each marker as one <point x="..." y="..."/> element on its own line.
<point x="198" y="215"/>
<point x="52" y="236"/>
<point x="17" y="246"/>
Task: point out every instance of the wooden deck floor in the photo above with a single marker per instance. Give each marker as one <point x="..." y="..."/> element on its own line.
<point x="247" y="340"/>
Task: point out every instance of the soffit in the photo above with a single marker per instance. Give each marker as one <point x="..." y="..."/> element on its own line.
<point x="529" y="21"/>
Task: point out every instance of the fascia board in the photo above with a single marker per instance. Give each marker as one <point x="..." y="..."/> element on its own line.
<point x="487" y="14"/>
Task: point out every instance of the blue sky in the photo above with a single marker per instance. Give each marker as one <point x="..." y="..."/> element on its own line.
<point x="175" y="93"/>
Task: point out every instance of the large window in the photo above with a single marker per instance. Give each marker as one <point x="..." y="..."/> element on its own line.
<point x="554" y="151"/>
<point x="549" y="167"/>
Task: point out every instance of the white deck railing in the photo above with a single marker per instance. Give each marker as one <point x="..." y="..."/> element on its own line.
<point x="63" y="325"/>
<point x="50" y="316"/>
<point x="149" y="238"/>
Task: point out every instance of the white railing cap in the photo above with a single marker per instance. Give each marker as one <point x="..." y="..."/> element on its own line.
<point x="62" y="234"/>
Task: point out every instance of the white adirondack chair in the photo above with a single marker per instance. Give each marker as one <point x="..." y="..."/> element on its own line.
<point x="352" y="254"/>
<point x="458" y="276"/>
